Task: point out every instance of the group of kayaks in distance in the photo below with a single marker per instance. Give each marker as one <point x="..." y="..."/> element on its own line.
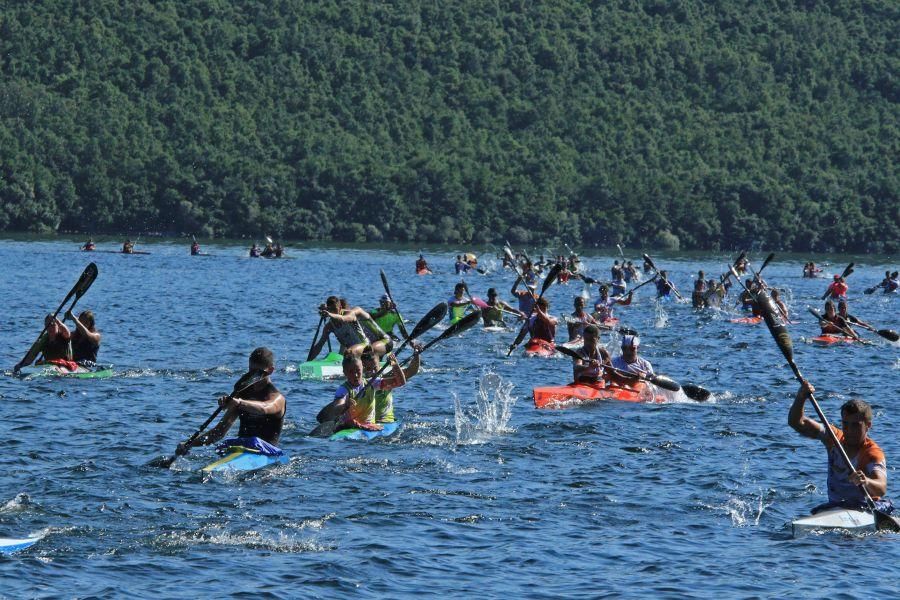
<point x="272" y="249"/>
<point x="369" y="342"/>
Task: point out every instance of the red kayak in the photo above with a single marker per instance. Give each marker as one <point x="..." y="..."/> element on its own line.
<point x="747" y="320"/>
<point x="564" y="396"/>
<point x="423" y="272"/>
<point x="540" y="348"/>
<point x="611" y="322"/>
<point x="826" y="339"/>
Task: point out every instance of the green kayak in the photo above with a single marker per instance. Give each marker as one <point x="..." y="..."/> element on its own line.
<point x="97" y="372"/>
<point x="326" y="368"/>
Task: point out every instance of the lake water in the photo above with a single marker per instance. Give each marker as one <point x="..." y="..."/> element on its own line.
<point x="479" y="493"/>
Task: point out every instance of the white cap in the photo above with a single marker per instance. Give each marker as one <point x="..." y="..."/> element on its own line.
<point x="631" y="340"/>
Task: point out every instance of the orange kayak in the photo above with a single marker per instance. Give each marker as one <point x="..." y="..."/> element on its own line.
<point x="540" y="348"/>
<point x="826" y="339"/>
<point x="564" y="396"/>
<point x="748" y="320"/>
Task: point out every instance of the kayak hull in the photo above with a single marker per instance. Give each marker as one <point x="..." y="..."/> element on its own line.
<point x="102" y="372"/>
<point x="845" y="519"/>
<point x="573" y="394"/>
<point x="240" y="459"/>
<point x="829" y="339"/>
<point x="10" y="545"/>
<point x="365" y="435"/>
<point x="748" y="320"/>
<point x="326" y="368"/>
<point x="540" y="349"/>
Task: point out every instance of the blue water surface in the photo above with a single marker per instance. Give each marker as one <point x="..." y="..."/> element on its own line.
<point x="478" y="495"/>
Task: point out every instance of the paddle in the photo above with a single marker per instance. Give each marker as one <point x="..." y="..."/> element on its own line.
<point x="387" y="290"/>
<point x="620" y="251"/>
<point x="847" y="271"/>
<point x="783" y="339"/>
<point x="551" y="277"/>
<point x="694" y="392"/>
<point x="845" y="330"/>
<point x="888" y="334"/>
<point x="81" y="286"/>
<point x="650" y="262"/>
<point x="166" y="462"/>
<point x="312" y="347"/>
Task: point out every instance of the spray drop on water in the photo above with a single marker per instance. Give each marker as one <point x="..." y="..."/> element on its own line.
<point x="491" y="413"/>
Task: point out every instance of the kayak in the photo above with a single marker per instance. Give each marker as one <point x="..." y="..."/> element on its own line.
<point x="747" y="320"/>
<point x="826" y="339"/>
<point x="423" y="272"/>
<point x="564" y="396"/>
<point x="326" y="368"/>
<point x="540" y="348"/>
<point x="47" y="370"/>
<point x="845" y="519"/>
<point x="240" y="458"/>
<point x="10" y="545"/>
<point x="610" y="322"/>
<point x="364" y="434"/>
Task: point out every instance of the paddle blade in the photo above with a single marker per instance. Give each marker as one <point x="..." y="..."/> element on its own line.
<point x="695" y="392"/>
<point x="847" y="271"/>
<point x="551" y="277"/>
<point x="434" y="316"/>
<point x="649" y="261"/>
<point x="885" y="522"/>
<point x="163" y="462"/>
<point x="85" y="281"/>
<point x="665" y="383"/>
<point x="776" y="325"/>
<point x="888" y="334"/>
<point x="766" y="262"/>
<point x="568" y="352"/>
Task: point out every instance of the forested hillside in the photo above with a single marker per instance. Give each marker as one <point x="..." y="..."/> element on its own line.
<point x="656" y="122"/>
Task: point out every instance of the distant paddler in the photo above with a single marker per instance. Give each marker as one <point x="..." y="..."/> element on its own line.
<point x="603" y="307"/>
<point x="268" y="251"/>
<point x="526" y="297"/>
<point x="254" y="251"/>
<point x="664" y="287"/>
<point x="422" y="266"/>
<point x="89" y="246"/>
<point x="195" y="248"/>
<point x="834" y="324"/>
<point x="355" y="402"/>
<point x="845" y="486"/>
<point x="457" y="304"/>
<point x="350" y="326"/>
<point x="260" y="408"/>
<point x="837" y="289"/>
<point x="461" y="266"/>
<point x="386" y="316"/>
<point x="492" y="311"/>
<point x="579" y="321"/>
<point x="698" y="296"/>
<point x="128" y="247"/>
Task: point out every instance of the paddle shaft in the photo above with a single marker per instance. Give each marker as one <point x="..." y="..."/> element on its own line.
<point x="551" y="276"/>
<point x="309" y="355"/>
<point x="387" y="290"/>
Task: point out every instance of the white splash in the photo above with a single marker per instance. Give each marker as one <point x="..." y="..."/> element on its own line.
<point x="662" y="317"/>
<point x="491" y="414"/>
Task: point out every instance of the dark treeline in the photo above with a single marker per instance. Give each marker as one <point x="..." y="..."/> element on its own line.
<point x="652" y="123"/>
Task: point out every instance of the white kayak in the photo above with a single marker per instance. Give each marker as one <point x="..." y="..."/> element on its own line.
<point x="846" y="519"/>
<point x="10" y="545"/>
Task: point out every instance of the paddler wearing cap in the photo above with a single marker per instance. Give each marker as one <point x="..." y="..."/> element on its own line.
<point x="493" y="313"/>
<point x="629" y="361"/>
<point x="837" y="289"/>
<point x="526" y="297"/>
<point x="260" y="408"/>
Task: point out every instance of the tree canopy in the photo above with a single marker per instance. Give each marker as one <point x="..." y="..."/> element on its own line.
<point x="671" y="123"/>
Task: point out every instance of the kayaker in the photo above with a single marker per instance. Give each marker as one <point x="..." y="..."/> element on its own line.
<point x="461" y="266"/>
<point x="834" y="324"/>
<point x="384" y="399"/>
<point x="526" y="297"/>
<point x="871" y="466"/>
<point x="541" y="325"/>
<point x="456" y="304"/>
<point x="629" y="272"/>
<point x="529" y="275"/>
<point x="648" y="266"/>
<point x="195" y="248"/>
<point x="629" y="361"/>
<point x="128" y="247"/>
<point x="354" y="401"/>
<point x="268" y="251"/>
<point x="386" y="316"/>
<point x="279" y="250"/>
<point x="589" y="368"/>
<point x="54" y="345"/>
<point x="894" y="283"/>
<point x="254" y="251"/>
<point x="618" y="285"/>
<point x="422" y="266"/>
<point x="779" y="303"/>
<point x="698" y="296"/>
<point x="85" y="339"/>
<point x="346" y="325"/>
<point x="260" y="408"/>
<point x="493" y="314"/>
<point x="842" y="311"/>
<point x="663" y="286"/>
<point x="574" y="263"/>
<point x="89" y="245"/>
<point x="579" y="321"/>
<point x="746" y="298"/>
<point x="837" y="289"/>
<point x="603" y="307"/>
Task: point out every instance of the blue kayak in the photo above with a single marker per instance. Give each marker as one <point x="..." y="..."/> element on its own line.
<point x="365" y="434"/>
<point x="243" y="458"/>
<point x="10" y="545"/>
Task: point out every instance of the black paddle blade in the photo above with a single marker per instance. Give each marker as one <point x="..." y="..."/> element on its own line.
<point x="847" y="271"/>
<point x="695" y="392"/>
<point x="888" y="334"/>
<point x="649" y="261"/>
<point x="434" y="316"/>
<point x="766" y="262"/>
<point x="85" y="281"/>
<point x="885" y="522"/>
<point x="740" y="258"/>
<point x="776" y="325"/>
<point x="567" y="352"/>
<point x="456" y="328"/>
<point x="665" y="383"/>
<point x="551" y="277"/>
<point x="163" y="462"/>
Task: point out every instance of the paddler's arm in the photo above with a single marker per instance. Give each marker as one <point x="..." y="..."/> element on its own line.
<point x="397" y="378"/>
<point x="91" y="335"/>
<point x="272" y="405"/>
<point x="627" y="299"/>
<point x="798" y="421"/>
<point x="320" y="343"/>
<point x="218" y="432"/>
<point x="414" y="363"/>
<point x="515" y="286"/>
